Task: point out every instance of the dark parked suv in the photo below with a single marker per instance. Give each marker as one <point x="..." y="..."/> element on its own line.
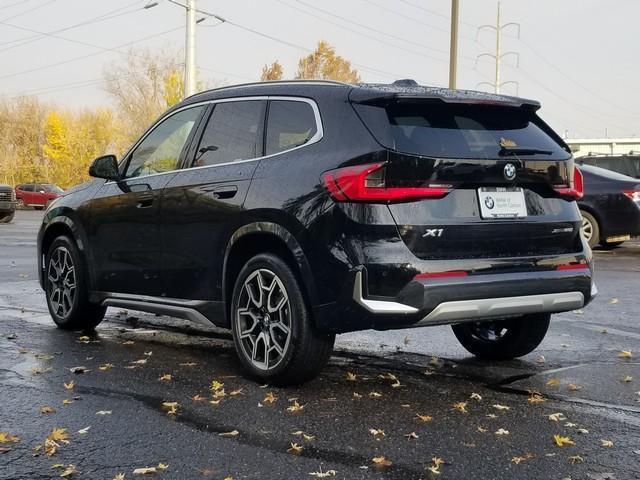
<point x="7" y="203"/>
<point x="292" y="211"/>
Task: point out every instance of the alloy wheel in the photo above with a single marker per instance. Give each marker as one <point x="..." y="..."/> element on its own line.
<point x="489" y="331"/>
<point x="263" y="319"/>
<point x="587" y="229"/>
<point x="61" y="276"/>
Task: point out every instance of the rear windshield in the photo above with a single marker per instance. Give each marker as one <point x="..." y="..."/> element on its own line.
<point x="460" y="130"/>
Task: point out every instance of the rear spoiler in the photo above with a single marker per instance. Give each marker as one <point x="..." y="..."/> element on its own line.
<point x="386" y="94"/>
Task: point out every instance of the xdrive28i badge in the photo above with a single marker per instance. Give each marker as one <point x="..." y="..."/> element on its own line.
<point x="509" y="171"/>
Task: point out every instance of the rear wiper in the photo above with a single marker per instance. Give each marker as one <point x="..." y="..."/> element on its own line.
<point x="522" y="151"/>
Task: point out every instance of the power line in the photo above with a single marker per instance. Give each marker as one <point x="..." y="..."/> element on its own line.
<point x="105" y="16"/>
<point x="38" y="7"/>
<point x="82" y="57"/>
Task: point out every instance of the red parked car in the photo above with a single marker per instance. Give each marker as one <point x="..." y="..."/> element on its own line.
<point x="36" y="195"/>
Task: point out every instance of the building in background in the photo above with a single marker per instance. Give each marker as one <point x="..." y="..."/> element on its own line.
<point x="603" y="146"/>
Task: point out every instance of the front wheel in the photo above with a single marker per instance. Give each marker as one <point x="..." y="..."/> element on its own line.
<point x="66" y="288"/>
<point x="272" y="326"/>
<point x="503" y="339"/>
<point x="7" y="217"/>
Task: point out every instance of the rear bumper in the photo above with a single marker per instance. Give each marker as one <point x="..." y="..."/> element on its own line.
<point x="438" y="301"/>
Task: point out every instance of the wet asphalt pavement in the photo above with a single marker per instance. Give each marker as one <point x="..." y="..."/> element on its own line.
<point x="416" y="395"/>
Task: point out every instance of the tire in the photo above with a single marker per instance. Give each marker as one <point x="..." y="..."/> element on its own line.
<point x="267" y="301"/>
<point x="69" y="306"/>
<point x="39" y="207"/>
<point x="590" y="229"/>
<point x="7" y="217"/>
<point x="20" y="204"/>
<point x="503" y="339"/>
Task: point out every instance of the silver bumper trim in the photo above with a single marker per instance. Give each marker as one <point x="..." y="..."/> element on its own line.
<point x="377" y="306"/>
<point x="453" y="312"/>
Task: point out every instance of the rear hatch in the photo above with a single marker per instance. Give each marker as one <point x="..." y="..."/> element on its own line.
<point x="497" y="181"/>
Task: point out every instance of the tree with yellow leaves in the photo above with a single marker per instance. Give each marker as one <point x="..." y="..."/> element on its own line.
<point x="323" y="63"/>
<point x="271" y="72"/>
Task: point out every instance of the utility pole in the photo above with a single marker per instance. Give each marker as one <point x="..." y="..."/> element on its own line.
<point x="190" y="50"/>
<point x="453" y="48"/>
<point x="498" y="56"/>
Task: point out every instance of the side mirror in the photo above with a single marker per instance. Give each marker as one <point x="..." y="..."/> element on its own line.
<point x="105" y="167"/>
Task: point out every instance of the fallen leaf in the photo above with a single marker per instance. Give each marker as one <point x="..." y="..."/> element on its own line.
<point x="295" y="448"/>
<point x="406" y="340"/>
<point x="198" y="398"/>
<point x="6" y="437"/>
<point x="47" y="409"/>
<point x="165" y="378"/>
<point x="497" y="406"/>
<point x="460" y="406"/>
<point x="553" y="382"/>
<point x="356" y="395"/>
<point x="381" y="461"/>
<point x="216" y="385"/>
<point x="84" y="430"/>
<point x="613" y="301"/>
<point x="606" y="443"/>
<point x="145" y="470"/>
<point x="627" y="379"/>
<point x="59" y="435"/>
<point x="536" y="398"/>
<point x="296" y="407"/>
<point x="128" y="342"/>
<point x="377" y="432"/>
<point x="502" y="431"/>
<point x="142" y="361"/>
<point x="476" y="396"/>
<point x="584" y="431"/>
<point x="232" y="433"/>
<point x="428" y="372"/>
<point x="67" y="401"/>
<point x="424" y="418"/>
<point x="105" y="366"/>
<point x="84" y="339"/>
<point x="375" y="395"/>
<point x="148" y="354"/>
<point x="161" y="466"/>
<point x="70" y="385"/>
<point x="481" y="429"/>
<point x="270" y="398"/>
<point x="556" y="417"/>
<point x="411" y="436"/>
<point x="237" y="392"/>
<point x="574" y="387"/>
<point x="321" y="474"/>
<point x="562" y="441"/>
<point x="575" y="459"/>
<point x="188" y="364"/>
<point x="70" y="470"/>
<point x="625" y="354"/>
<point x="119" y="476"/>
<point x="104" y="412"/>
<point x="570" y="425"/>
<point x="351" y="377"/>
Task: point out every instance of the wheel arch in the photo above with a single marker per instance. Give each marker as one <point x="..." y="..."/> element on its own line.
<point x="264" y="237"/>
<point x="60" y="225"/>
<point x="594" y="213"/>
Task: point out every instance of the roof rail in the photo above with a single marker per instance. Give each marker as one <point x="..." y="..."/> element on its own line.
<point x="274" y="82"/>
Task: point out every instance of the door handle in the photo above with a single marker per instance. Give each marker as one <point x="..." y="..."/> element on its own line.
<point x="225" y="192"/>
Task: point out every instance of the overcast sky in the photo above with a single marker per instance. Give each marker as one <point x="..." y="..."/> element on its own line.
<point x="578" y="57"/>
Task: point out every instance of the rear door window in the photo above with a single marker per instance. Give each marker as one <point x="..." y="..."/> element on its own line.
<point x="290" y="124"/>
<point x="233" y="133"/>
<point x="445" y="130"/>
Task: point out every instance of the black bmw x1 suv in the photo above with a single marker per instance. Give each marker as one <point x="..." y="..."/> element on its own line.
<point x="292" y="211"/>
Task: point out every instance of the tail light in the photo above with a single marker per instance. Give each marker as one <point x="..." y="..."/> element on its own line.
<point x="367" y="183"/>
<point x="572" y="266"/>
<point x="449" y="274"/>
<point x="633" y="194"/>
<point x="575" y="189"/>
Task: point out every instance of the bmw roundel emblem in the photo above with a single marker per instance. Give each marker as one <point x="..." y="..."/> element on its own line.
<point x="509" y="171"/>
<point x="488" y="201"/>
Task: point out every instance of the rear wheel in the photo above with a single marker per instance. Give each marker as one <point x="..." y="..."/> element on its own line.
<point x="272" y="327"/>
<point x="590" y="229"/>
<point x="66" y="288"/>
<point x="7" y="217"/>
<point x="39" y="207"/>
<point x="503" y="339"/>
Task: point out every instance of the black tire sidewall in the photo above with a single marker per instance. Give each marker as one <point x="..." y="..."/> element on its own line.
<point x="523" y="335"/>
<point x="83" y="315"/>
<point x="595" y="237"/>
<point x="299" y="313"/>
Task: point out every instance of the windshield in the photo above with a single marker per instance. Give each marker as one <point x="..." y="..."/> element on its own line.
<point x="53" y="189"/>
<point x="462" y="130"/>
